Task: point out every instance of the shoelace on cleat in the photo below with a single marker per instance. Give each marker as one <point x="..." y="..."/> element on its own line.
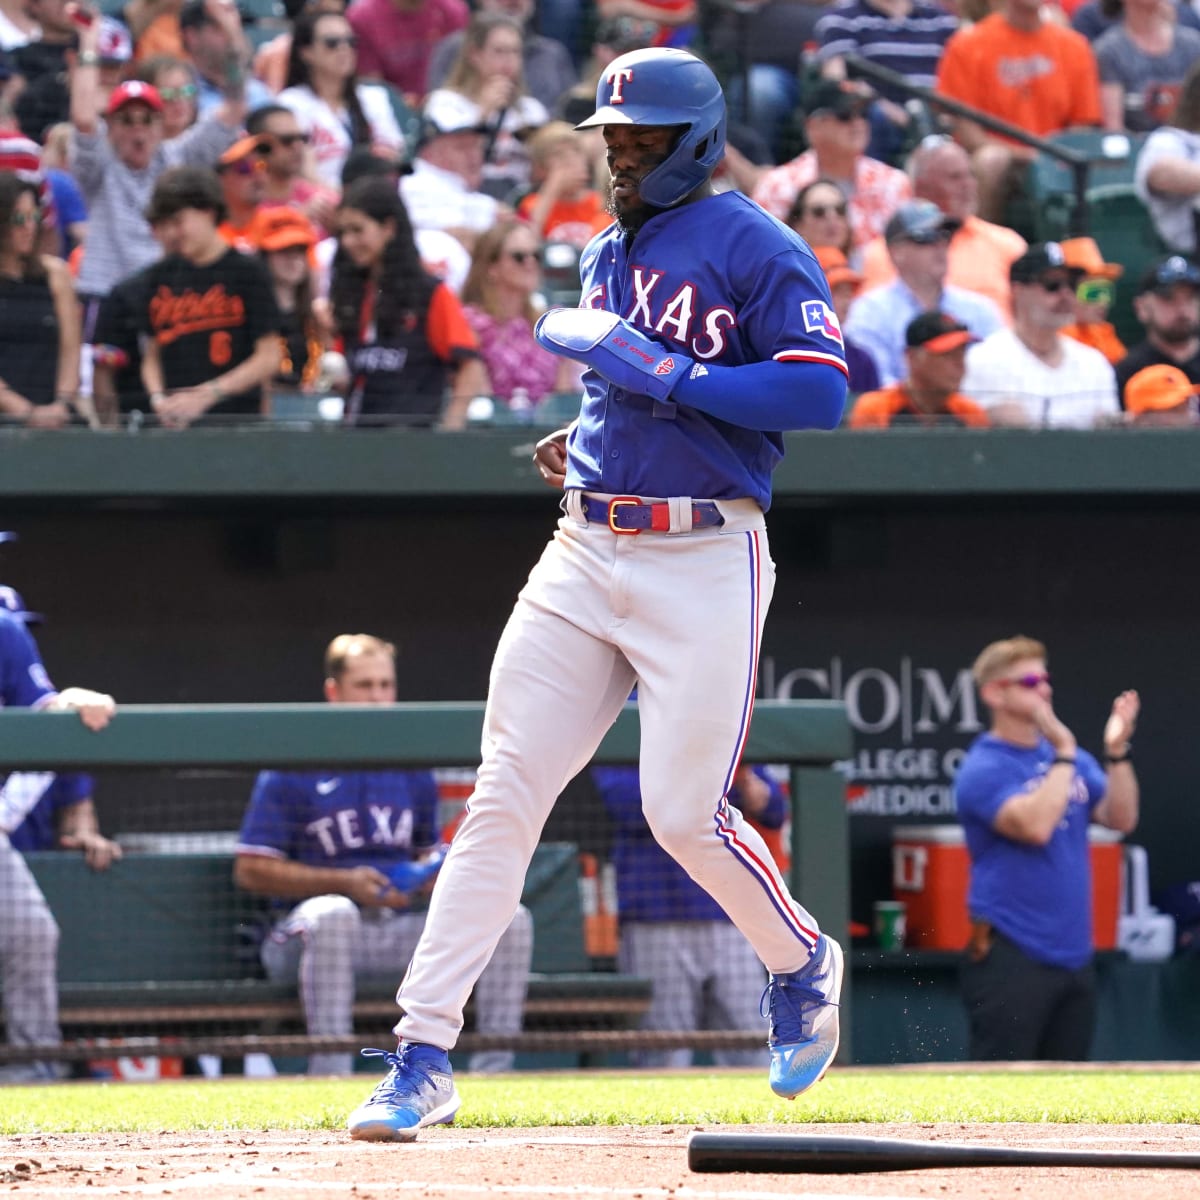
<point x="399" y="1081"/>
<point x="787" y="1003"/>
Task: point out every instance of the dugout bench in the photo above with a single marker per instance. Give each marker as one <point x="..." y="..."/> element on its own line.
<point x="167" y="945"/>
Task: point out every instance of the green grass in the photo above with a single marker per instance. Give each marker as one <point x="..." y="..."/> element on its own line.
<point x="601" y="1098"/>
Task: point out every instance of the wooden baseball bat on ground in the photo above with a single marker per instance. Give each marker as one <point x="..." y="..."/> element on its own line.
<point x="827" y="1154"/>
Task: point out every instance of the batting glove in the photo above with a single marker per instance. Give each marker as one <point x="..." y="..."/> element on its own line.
<point x="614" y="348"/>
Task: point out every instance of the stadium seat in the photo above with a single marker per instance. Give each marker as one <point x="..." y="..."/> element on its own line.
<point x="1050" y="184"/>
<point x="560" y="274"/>
<point x="1123" y="230"/>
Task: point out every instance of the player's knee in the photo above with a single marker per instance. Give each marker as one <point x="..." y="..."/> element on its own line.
<point x="331" y="916"/>
<point x="677" y="831"/>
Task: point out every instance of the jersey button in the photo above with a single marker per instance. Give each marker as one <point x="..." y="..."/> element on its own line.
<point x="616" y="454"/>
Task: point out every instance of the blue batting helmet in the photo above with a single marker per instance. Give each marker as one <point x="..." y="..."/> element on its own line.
<point x="11" y="602"/>
<point x="666" y="87"/>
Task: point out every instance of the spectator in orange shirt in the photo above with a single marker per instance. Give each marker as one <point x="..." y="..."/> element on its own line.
<point x="564" y="207"/>
<point x="242" y="169"/>
<point x="1094" y="292"/>
<point x="1026" y="70"/>
<point x="937" y="361"/>
<point x="980" y="252"/>
<point x="838" y="131"/>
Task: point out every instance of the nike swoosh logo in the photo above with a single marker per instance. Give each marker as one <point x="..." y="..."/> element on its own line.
<point x="325" y="786"/>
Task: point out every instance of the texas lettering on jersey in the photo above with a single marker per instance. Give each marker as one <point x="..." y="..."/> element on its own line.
<point x="679" y="315"/>
<point x="344" y="830"/>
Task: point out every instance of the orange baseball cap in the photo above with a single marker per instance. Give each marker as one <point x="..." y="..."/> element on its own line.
<point x="1157" y="388"/>
<point x="1082" y="254"/>
<point x="283" y="228"/>
<point x="837" y="269"/>
<point x="243" y="148"/>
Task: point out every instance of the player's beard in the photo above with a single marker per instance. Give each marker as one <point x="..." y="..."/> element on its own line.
<point x="629" y="220"/>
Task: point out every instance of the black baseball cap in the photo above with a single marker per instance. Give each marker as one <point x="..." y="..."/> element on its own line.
<point x="1039" y="258"/>
<point x="937" y="332"/>
<point x="1167" y="272"/>
<point x="839" y="97"/>
<point x="920" y="221"/>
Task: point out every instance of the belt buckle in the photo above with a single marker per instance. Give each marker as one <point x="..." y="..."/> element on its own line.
<point x="622" y="502"/>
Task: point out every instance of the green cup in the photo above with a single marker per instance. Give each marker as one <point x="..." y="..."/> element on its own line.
<point x="890" y="923"/>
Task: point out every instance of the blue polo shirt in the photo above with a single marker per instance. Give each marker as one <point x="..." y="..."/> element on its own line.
<point x="651" y="885"/>
<point x="342" y="818"/>
<point x="1040" y="897"/>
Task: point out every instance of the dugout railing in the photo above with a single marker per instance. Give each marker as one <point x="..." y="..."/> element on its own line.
<point x="567" y="1010"/>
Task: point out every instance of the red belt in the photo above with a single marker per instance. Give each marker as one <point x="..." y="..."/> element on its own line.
<point x="632" y="515"/>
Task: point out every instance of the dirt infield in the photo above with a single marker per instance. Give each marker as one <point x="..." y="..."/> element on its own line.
<point x="646" y="1163"/>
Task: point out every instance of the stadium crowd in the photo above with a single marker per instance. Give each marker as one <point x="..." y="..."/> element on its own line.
<point x="221" y="210"/>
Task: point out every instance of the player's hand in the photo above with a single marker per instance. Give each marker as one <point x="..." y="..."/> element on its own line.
<point x="1053" y="730"/>
<point x="550" y="458"/>
<point x="95" y="709"/>
<point x="98" y="851"/>
<point x="1121" y="723"/>
<point x="371" y="888"/>
<point x="178" y="409"/>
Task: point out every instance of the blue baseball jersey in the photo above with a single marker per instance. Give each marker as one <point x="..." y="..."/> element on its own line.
<point x="343" y="819"/>
<point x="39" y="830"/>
<point x="23" y="680"/>
<point x="725" y="283"/>
<point x="651" y="885"/>
<point x="1040" y="897"/>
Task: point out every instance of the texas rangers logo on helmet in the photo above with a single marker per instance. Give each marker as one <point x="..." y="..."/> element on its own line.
<point x="820" y="318"/>
<point x="618" y="78"/>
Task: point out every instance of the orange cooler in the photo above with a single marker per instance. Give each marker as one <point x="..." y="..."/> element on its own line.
<point x="931" y="871"/>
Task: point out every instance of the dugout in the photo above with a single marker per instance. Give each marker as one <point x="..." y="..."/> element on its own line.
<point x="213" y="566"/>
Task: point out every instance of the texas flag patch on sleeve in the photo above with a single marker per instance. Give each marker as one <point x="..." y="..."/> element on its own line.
<point x="820" y="318"/>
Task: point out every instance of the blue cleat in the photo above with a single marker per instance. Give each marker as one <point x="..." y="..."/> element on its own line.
<point x="803" y="1011"/>
<point x="418" y="1091"/>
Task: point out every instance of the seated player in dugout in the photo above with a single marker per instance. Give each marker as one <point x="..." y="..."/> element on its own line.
<point x="349" y="857"/>
<point x="211" y="318"/>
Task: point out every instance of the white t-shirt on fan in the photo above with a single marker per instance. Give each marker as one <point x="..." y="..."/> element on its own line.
<point x="1079" y="393"/>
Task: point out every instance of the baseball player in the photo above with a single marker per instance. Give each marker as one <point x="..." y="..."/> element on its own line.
<point x="355" y="848"/>
<point x="706" y="328"/>
<point x="28" y="931"/>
